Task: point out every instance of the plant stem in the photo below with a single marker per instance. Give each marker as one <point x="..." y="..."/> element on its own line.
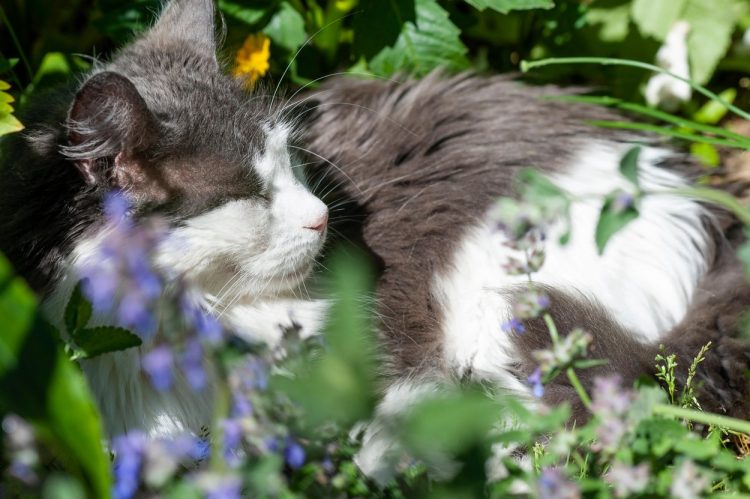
<point x="552" y="328"/>
<point x="703" y="417"/>
<point x="21" y="54"/>
<point x="527" y="65"/>
<point x="573" y="378"/>
<point x="715" y="196"/>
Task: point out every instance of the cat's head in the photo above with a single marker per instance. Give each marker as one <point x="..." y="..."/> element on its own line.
<point x="164" y="124"/>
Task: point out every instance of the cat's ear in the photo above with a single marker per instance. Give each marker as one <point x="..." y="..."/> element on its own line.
<point x="109" y="125"/>
<point x="190" y="22"/>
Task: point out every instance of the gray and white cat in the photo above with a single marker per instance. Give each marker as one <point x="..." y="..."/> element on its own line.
<point x="162" y="123"/>
<point x="419" y="164"/>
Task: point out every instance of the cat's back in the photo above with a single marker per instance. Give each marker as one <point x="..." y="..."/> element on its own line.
<point x="425" y="160"/>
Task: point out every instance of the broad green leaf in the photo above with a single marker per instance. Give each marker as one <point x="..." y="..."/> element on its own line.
<point x="286" y="28"/>
<point x="242" y="12"/>
<point x="655" y="18"/>
<point x="39" y="383"/>
<point x="611" y="221"/>
<point x="613" y="22"/>
<point x="711" y="26"/>
<point x="77" y="311"/>
<point x="713" y="111"/>
<point x="432" y="42"/>
<point x="100" y="340"/>
<point x="629" y="165"/>
<point x="17" y="312"/>
<point x="379" y="23"/>
<point x="505" y="6"/>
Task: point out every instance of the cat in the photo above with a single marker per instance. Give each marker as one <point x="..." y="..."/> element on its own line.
<point x="165" y="126"/>
<point x="418" y="164"/>
<point x="422" y="163"/>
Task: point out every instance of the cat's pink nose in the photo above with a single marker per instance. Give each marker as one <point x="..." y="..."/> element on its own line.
<point x="319" y="225"/>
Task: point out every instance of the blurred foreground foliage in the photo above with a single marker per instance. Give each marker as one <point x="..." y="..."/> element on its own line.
<point x="318" y="392"/>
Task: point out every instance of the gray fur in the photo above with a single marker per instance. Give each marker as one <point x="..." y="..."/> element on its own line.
<point x="161" y="121"/>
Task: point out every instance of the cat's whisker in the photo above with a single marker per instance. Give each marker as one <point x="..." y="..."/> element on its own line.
<point x="330" y="163"/>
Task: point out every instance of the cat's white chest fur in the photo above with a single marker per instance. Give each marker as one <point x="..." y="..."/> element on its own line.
<point x="645" y="278"/>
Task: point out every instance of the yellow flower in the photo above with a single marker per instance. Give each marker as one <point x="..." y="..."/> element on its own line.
<point x="251" y="61"/>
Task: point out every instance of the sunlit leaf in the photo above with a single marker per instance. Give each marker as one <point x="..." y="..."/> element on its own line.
<point x="378" y="24"/>
<point x="505" y="6"/>
<point x="432" y="41"/>
<point x="629" y="165"/>
<point x="100" y="340"/>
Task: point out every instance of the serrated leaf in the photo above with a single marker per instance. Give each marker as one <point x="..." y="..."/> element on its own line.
<point x="106" y="339"/>
<point x="611" y="221"/>
<point x="432" y="41"/>
<point x="505" y="6"/>
<point x="379" y="24"/>
<point x="286" y="28"/>
<point x="39" y="383"/>
<point x="77" y="311"/>
<point x="629" y="165"/>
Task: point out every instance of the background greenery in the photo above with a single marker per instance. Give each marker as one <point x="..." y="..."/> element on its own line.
<point x="44" y="42"/>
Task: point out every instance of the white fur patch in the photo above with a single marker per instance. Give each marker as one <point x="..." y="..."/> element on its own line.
<point x="645" y="277"/>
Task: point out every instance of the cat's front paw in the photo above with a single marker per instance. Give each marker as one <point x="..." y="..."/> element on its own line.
<point x="267" y="322"/>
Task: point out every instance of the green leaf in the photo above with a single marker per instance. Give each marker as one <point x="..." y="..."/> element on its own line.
<point x="77" y="311"/>
<point x="339" y="385"/>
<point x="713" y="111"/>
<point x="613" y="22"/>
<point x="432" y="41"/>
<point x="711" y="26"/>
<point x="612" y="219"/>
<point x="243" y="13"/>
<point x="706" y="154"/>
<point x="505" y="6"/>
<point x="379" y="24"/>
<point x="8" y="122"/>
<point x="40" y="384"/>
<point x="629" y="165"/>
<point x="18" y="313"/>
<point x="100" y="340"/>
<point x="287" y="28"/>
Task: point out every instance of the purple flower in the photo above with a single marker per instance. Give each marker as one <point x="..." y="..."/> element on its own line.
<point x="241" y="406"/>
<point x="294" y="454"/>
<point x="202" y="322"/>
<point x="535" y="380"/>
<point x="232" y="440"/>
<point x="119" y="276"/>
<point x="513" y="326"/>
<point x="689" y="482"/>
<point x="622" y="201"/>
<point x="215" y="486"/>
<point x="129" y="450"/>
<point x="20" y="443"/>
<point x="628" y="480"/>
<point x="192" y="365"/>
<point x="158" y="364"/>
<point x="609" y="397"/>
<point x="553" y="484"/>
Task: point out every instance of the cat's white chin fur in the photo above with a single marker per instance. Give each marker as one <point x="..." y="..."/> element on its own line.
<point x="645" y="278"/>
